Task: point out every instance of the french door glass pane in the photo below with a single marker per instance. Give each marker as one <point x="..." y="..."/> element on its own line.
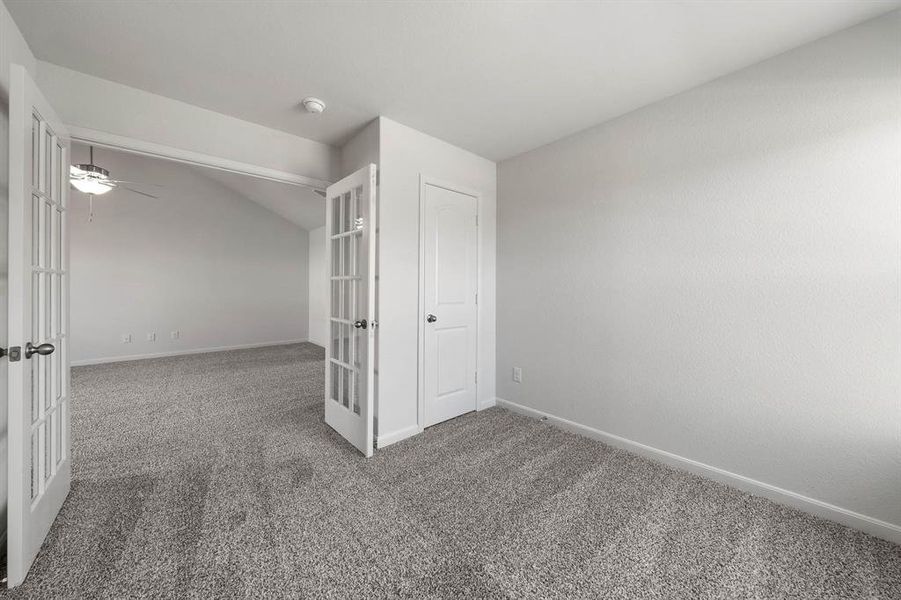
<point x="346" y="298"/>
<point x="35" y="485"/>
<point x="336" y="299"/>
<point x="35" y="151"/>
<point x="45" y="447"/>
<point x="345" y="212"/>
<point x="55" y="262"/>
<point x="356" y="388"/>
<point x="45" y="235"/>
<point x="35" y="230"/>
<point x="46" y="329"/>
<point x="64" y="380"/>
<point x="347" y="254"/>
<point x="345" y="343"/>
<point x="58" y="174"/>
<point x="336" y="214"/>
<point x="52" y="443"/>
<point x="334" y="380"/>
<point x="336" y="257"/>
<point x="63" y="296"/>
<point x="47" y="149"/>
<point x="336" y="335"/>
<point x="58" y="301"/>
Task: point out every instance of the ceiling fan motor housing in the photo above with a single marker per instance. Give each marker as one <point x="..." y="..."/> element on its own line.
<point x="94" y="169"/>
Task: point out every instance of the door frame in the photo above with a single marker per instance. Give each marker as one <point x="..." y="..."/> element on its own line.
<point x="424" y="181"/>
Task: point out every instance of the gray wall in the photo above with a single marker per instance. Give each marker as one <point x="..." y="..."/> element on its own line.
<point x="717" y="275"/>
<point x="202" y="260"/>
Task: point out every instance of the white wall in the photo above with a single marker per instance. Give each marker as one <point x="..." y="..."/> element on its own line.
<point x="13" y="49"/>
<point x="717" y="275"/>
<point x="94" y="103"/>
<point x="318" y="302"/>
<point x="404" y="155"/>
<point x="202" y="260"/>
<point x="361" y="150"/>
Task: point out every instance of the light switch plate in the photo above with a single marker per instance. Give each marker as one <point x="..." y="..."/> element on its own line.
<point x="174" y="335"/>
<point x="126" y="338"/>
<point x="517" y="374"/>
<point x="151" y="337"/>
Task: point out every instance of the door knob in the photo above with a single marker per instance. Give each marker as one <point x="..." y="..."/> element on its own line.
<point x="431" y="318"/>
<point x="361" y="324"/>
<point x="43" y="349"/>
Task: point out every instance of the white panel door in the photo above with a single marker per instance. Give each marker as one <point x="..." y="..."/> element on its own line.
<point x="350" y="352"/>
<point x="39" y="456"/>
<point x="450" y="285"/>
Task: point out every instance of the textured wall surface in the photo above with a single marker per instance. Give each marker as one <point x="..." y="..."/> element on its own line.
<point x="717" y="275"/>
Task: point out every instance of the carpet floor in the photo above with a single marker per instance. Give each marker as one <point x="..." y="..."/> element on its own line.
<point x="214" y="476"/>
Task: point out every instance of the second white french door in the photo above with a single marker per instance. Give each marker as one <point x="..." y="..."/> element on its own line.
<point x="350" y="346"/>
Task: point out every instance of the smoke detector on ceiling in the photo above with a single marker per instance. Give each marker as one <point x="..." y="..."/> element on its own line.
<point x="313" y="105"/>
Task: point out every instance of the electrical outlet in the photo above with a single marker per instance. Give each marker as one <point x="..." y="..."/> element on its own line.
<point x="517" y="374"/>
<point x="151" y="337"/>
<point x="126" y="338"/>
<point x="174" y="335"/>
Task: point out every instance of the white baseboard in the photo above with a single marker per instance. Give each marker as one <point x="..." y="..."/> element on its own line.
<point x="115" y="359"/>
<point x="487" y="403"/>
<point x="870" y="525"/>
<point x="396" y="436"/>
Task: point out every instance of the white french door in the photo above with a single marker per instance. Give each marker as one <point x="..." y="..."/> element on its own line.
<point x="350" y="346"/>
<point x="449" y="301"/>
<point x="39" y="455"/>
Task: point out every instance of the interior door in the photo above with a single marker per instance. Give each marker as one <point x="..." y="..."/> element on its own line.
<point x="450" y="287"/>
<point x="39" y="455"/>
<point x="349" y="377"/>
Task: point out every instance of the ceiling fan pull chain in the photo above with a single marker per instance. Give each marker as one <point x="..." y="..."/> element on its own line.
<point x="90" y="208"/>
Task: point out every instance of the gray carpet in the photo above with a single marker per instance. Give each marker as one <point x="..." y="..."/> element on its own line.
<point x="213" y="476"/>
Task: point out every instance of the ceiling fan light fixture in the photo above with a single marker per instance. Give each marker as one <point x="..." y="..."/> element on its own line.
<point x="90" y="179"/>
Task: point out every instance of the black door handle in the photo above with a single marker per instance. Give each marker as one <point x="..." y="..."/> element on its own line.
<point x="361" y="324"/>
<point x="43" y="349"/>
<point x="431" y="318"/>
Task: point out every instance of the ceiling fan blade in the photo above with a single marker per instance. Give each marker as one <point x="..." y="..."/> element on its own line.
<point x="135" y="182"/>
<point x="142" y="193"/>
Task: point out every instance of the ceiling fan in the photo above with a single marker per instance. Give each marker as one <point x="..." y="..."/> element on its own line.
<point x="94" y="180"/>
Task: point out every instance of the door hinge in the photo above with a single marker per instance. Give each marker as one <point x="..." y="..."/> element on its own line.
<point x="477" y="220"/>
<point x="477" y="376"/>
<point x="477" y="297"/>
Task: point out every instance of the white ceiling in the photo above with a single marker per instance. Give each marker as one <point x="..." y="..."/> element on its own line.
<point x="497" y="78"/>
<point x="300" y="205"/>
